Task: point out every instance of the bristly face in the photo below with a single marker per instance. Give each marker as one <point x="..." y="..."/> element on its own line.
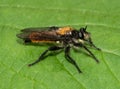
<point x="83" y="34"/>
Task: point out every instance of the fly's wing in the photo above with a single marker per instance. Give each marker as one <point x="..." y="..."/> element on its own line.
<point x="37" y="35"/>
<point x="40" y="29"/>
<point x="45" y="34"/>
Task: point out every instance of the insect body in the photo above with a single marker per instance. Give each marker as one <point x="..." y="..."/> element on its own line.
<point x="67" y="37"/>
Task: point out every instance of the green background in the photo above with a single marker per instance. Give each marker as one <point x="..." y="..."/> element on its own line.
<point x="103" y="20"/>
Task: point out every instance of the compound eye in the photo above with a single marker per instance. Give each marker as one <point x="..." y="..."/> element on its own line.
<point x="81" y="36"/>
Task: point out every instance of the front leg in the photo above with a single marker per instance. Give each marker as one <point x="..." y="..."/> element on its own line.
<point x="91" y="54"/>
<point x="92" y="44"/>
<point x="82" y="45"/>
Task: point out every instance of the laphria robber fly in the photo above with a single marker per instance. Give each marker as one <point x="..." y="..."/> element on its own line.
<point x="64" y="37"/>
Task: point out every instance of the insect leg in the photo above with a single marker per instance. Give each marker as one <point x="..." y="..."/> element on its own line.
<point x="95" y="47"/>
<point x="53" y="48"/>
<point x="81" y="45"/>
<point x="69" y="59"/>
<point x="91" y="54"/>
<point x="91" y="43"/>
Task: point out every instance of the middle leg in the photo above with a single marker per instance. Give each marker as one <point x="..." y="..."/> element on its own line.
<point x="71" y="60"/>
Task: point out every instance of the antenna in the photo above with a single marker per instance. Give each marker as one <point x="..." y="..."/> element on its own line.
<point x="85" y="28"/>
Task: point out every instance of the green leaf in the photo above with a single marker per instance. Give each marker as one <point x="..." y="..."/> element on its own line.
<point x="103" y="20"/>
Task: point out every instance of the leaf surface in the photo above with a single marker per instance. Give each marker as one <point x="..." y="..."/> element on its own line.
<point x="103" y="21"/>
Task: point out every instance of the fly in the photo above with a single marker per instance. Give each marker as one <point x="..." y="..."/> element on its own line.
<point x="65" y="37"/>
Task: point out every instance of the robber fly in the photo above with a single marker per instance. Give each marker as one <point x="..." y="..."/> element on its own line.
<point x="67" y="37"/>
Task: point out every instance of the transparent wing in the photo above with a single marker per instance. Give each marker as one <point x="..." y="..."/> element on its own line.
<point x="39" y="29"/>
